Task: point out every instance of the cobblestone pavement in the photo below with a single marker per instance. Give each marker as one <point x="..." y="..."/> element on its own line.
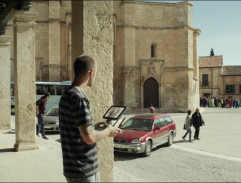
<point x="173" y="165"/>
<point x="215" y="158"/>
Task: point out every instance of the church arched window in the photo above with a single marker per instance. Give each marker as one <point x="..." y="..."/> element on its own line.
<point x="153" y="50"/>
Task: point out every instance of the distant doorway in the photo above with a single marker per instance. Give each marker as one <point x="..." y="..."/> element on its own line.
<point x="206" y="95"/>
<point x="151" y="93"/>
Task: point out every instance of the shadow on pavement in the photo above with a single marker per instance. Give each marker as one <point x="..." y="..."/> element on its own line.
<point x="10" y="132"/>
<point x="180" y="141"/>
<point x="58" y="140"/>
<point x="50" y="132"/>
<point x="7" y="150"/>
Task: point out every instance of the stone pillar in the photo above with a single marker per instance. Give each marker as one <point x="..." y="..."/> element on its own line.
<point x="69" y="54"/>
<point x="54" y="41"/>
<point x="195" y="84"/>
<point x="129" y="76"/>
<point x="129" y="93"/>
<point x="5" y="100"/>
<point x="24" y="86"/>
<point x="92" y="34"/>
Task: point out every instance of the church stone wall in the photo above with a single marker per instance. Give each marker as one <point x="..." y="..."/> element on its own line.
<point x="168" y="26"/>
<point x="52" y="40"/>
<point x="164" y="15"/>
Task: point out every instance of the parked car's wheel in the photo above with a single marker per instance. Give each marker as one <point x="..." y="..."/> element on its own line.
<point x="170" y="139"/>
<point x="148" y="148"/>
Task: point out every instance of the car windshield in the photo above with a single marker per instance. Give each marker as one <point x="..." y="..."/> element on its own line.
<point x="138" y="124"/>
<point x="53" y="112"/>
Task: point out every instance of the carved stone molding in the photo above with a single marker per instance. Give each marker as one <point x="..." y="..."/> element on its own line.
<point x="197" y="32"/>
<point x="57" y="67"/>
<point x="26" y="5"/>
<point x="5" y="40"/>
<point x="7" y="8"/>
<point x="3" y="28"/>
<point x="129" y="70"/>
<point x="152" y="66"/>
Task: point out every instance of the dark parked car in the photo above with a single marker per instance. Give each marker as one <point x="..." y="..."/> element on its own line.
<point x="142" y="133"/>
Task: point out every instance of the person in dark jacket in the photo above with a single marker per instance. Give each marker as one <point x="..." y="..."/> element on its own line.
<point x="197" y="122"/>
<point x="40" y="109"/>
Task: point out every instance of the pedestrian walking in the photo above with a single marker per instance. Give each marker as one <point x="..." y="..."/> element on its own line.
<point x="204" y="102"/>
<point x="230" y="103"/>
<point x="197" y="122"/>
<point x="40" y="110"/>
<point x="233" y="103"/>
<point x="224" y="103"/>
<point x="152" y="109"/>
<point x="209" y="102"/>
<point x="187" y="126"/>
<point x="236" y="103"/>
<point x="201" y="101"/>
<point x="77" y="131"/>
<point x="219" y="103"/>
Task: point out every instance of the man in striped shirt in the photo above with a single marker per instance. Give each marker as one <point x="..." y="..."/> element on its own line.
<point x="78" y="136"/>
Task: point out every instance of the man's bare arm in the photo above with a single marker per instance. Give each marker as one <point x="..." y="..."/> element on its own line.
<point x="91" y="136"/>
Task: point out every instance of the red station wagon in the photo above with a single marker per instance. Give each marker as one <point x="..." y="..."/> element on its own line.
<point x="142" y="133"/>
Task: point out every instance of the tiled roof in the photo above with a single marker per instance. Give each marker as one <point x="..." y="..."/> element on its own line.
<point x="232" y="70"/>
<point x="211" y="61"/>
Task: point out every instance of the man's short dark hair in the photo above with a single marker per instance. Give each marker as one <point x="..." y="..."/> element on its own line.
<point x="83" y="64"/>
<point x="46" y="94"/>
<point x="189" y="111"/>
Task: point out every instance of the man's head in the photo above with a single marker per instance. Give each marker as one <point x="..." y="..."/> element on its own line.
<point x="189" y="112"/>
<point x="197" y="110"/>
<point x="46" y="95"/>
<point x="85" y="67"/>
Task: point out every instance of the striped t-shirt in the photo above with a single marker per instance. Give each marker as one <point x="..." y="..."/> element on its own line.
<point x="79" y="158"/>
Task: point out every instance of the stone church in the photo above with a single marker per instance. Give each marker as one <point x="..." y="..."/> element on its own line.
<point x="155" y="56"/>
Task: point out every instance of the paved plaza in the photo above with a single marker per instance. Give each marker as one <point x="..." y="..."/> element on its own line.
<point x="220" y="143"/>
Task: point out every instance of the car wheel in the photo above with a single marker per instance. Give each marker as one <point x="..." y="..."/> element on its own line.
<point x="148" y="148"/>
<point x="170" y="139"/>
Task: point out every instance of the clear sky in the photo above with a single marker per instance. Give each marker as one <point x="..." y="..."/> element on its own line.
<point x="220" y="25"/>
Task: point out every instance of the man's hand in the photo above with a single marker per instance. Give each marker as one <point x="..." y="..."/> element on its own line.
<point x="101" y="125"/>
<point x="113" y="131"/>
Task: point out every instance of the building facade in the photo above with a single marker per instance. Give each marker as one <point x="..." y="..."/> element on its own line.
<point x="217" y="80"/>
<point x="155" y="56"/>
<point x="52" y="39"/>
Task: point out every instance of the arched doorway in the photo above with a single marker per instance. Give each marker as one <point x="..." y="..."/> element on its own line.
<point x="151" y="93"/>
